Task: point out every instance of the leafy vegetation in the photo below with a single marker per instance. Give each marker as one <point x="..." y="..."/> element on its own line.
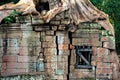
<point x="10" y="18"/>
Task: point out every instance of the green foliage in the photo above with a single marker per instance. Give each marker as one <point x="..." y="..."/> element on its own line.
<point x="10" y="18"/>
<point x="7" y="1"/>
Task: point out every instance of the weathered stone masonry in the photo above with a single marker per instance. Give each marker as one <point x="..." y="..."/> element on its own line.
<point x="33" y="50"/>
<point x="22" y="43"/>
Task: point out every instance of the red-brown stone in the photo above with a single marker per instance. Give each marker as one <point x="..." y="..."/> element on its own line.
<point x="13" y="65"/>
<point x="102" y="52"/>
<point x="23" y="59"/>
<point x="63" y="46"/>
<point x="9" y="58"/>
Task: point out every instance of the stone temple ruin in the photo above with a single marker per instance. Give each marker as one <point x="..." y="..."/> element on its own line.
<point x="33" y="50"/>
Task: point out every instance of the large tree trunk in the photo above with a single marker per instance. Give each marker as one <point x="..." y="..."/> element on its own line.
<point x="79" y="10"/>
<point x="25" y="6"/>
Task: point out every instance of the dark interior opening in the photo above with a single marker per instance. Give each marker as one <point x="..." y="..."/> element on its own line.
<point x="83" y="57"/>
<point x="42" y="6"/>
<point x="87" y="56"/>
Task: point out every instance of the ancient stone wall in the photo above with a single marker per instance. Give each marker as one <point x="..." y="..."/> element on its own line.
<point x="20" y="48"/>
<point x="103" y="57"/>
<point x="31" y="49"/>
<point x="34" y="49"/>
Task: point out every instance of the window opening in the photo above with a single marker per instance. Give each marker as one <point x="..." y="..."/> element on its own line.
<point x="83" y="57"/>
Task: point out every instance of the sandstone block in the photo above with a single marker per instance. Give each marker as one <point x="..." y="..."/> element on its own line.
<point x="41" y="28"/>
<point x="73" y="57"/>
<point x="72" y="68"/>
<point x="15" y="65"/>
<point x="49" y="44"/>
<point x="106" y="33"/>
<point x="9" y="58"/>
<point x="48" y="38"/>
<point x="61" y="33"/>
<point x="64" y="52"/>
<point x="108" y="58"/>
<point x="104" y="38"/>
<point x="23" y="51"/>
<point x="104" y="71"/>
<point x="65" y="22"/>
<point x="57" y="22"/>
<point x="52" y="58"/>
<point x="24" y="42"/>
<point x="85" y="35"/>
<point x="32" y="67"/>
<point x="50" y="51"/>
<point x="63" y="40"/>
<point x="59" y="71"/>
<point x="1" y="42"/>
<point x="102" y="51"/>
<point x="109" y="45"/>
<point x="14" y="34"/>
<point x="93" y="63"/>
<point x="0" y="60"/>
<point x="1" y="50"/>
<point x="86" y="41"/>
<point x="61" y="27"/>
<point x="87" y="31"/>
<point x="54" y="28"/>
<point x="8" y="72"/>
<point x="53" y="66"/>
<point x="12" y="42"/>
<point x="60" y="77"/>
<point x="94" y="51"/>
<point x="62" y="58"/>
<point x="3" y="66"/>
<point x="62" y="67"/>
<point x="104" y="76"/>
<point x="32" y="59"/>
<point x="89" y="26"/>
<point x="48" y="65"/>
<point x="99" y="59"/>
<point x="23" y="59"/>
<point x="63" y="46"/>
<point x="36" y="52"/>
<point x="50" y="32"/>
<point x="103" y="65"/>
<point x="13" y="50"/>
